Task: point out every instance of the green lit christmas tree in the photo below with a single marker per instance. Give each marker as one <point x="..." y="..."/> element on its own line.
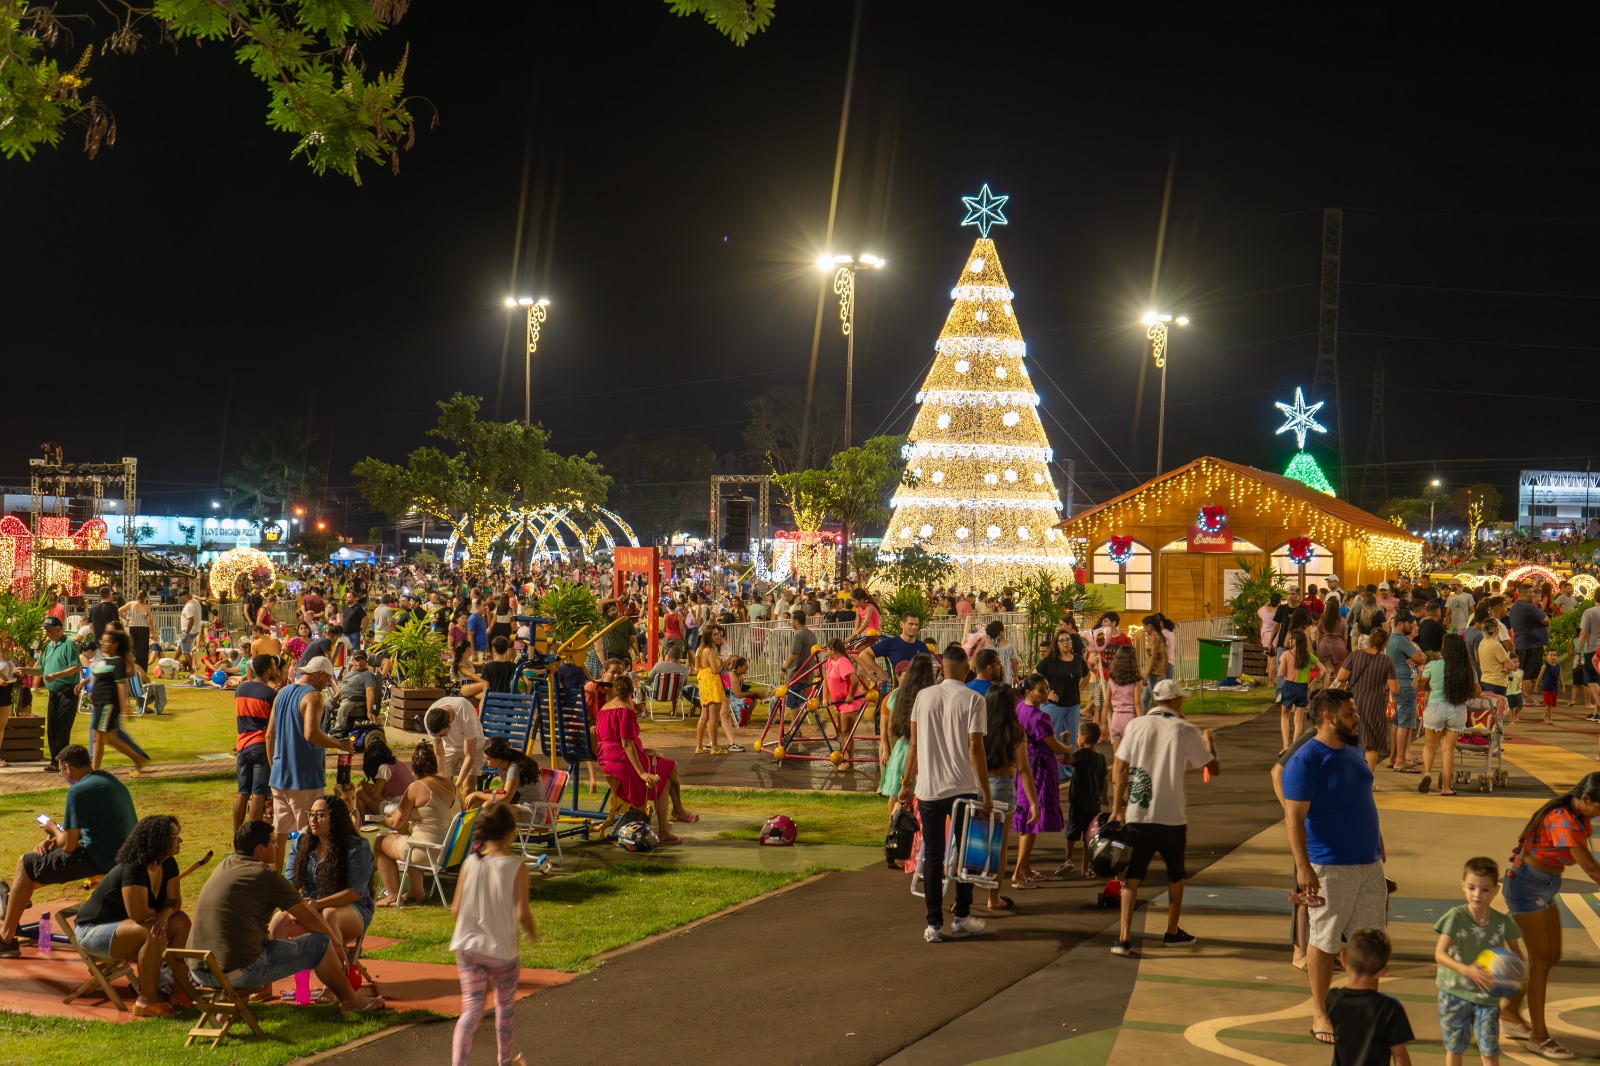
<point x="1305" y="470"/>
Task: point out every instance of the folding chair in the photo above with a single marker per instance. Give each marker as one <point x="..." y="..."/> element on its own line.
<point x="102" y="971"/>
<point x="221" y="1006"/>
<point x="668" y="689"/>
<point x="539" y="819"/>
<point x="139" y="695"/>
<point x="436" y="860"/>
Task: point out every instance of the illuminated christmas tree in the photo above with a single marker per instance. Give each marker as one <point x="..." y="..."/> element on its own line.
<point x="984" y="495"/>
<point x="1300" y="419"/>
<point x="1305" y="470"/>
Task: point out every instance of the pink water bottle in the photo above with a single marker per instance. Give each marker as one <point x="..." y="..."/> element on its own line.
<point x="47" y="942"/>
<point x="302" y="988"/>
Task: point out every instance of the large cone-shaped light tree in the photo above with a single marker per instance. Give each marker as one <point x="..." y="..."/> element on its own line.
<point x="981" y="491"/>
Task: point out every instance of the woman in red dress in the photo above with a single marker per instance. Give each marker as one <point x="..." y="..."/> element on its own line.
<point x="637" y="774"/>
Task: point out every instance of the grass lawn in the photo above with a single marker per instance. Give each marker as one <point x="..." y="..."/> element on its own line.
<point x="1229" y="702"/>
<point x="824" y="817"/>
<point x="292" y="1032"/>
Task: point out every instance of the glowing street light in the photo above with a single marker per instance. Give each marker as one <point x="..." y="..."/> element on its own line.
<point x="844" y="284"/>
<point x="1432" y="499"/>
<point x="536" y="316"/>
<point x="1156" y="322"/>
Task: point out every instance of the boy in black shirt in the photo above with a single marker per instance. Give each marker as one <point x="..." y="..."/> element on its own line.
<point x="1085" y="793"/>
<point x="1369" y="1028"/>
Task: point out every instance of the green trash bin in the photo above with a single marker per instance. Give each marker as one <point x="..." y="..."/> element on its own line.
<point x="1221" y="658"/>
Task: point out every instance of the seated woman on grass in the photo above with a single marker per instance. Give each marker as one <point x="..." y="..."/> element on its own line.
<point x="136" y="911"/>
<point x="635" y="773"/>
<point x="386" y="777"/>
<point x="330" y="865"/>
<point x="432" y="802"/>
<point x="518" y="773"/>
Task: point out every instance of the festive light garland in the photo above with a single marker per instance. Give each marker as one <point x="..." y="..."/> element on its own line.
<point x="985" y="497"/>
<point x="1585" y="585"/>
<point x="1120" y="550"/>
<point x="978" y="398"/>
<point x="1300" y="550"/>
<point x="227" y="568"/>
<point x="1211" y="519"/>
<point x="1214" y="479"/>
<point x="1532" y="570"/>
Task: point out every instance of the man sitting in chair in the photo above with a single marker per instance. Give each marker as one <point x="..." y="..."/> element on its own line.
<point x="233" y="914"/>
<point x="99" y="818"/>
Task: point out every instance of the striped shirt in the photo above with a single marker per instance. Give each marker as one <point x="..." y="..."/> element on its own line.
<point x="252" y="708"/>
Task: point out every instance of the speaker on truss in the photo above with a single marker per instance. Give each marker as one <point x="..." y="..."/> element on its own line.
<point x="737" y="509"/>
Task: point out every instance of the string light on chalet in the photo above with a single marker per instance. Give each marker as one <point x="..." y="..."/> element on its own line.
<point x="1241" y="493"/>
<point x="984" y="496"/>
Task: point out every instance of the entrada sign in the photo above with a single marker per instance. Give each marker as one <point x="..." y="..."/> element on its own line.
<point x="1201" y="541"/>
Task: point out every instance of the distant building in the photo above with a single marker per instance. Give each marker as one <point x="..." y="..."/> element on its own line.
<point x="1553" y="502"/>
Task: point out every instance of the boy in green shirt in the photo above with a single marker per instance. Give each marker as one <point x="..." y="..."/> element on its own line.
<point x="1465" y="932"/>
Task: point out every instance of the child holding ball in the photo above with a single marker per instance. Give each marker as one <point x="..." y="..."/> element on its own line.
<point x="1466" y="1007"/>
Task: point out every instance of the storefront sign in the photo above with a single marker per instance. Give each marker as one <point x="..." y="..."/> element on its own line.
<point x="1201" y="541"/>
<point x="430" y="540"/>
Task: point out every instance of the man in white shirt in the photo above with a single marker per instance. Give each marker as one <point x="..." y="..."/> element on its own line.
<point x="1458" y="609"/>
<point x="946" y="762"/>
<point x="452" y="722"/>
<point x="188" y="627"/>
<point x="1148" y="797"/>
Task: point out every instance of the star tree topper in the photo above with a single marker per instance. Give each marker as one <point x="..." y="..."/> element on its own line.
<point x="985" y="210"/>
<point x="1301" y="418"/>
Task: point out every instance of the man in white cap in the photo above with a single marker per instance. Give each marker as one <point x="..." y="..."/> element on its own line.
<point x="296" y="743"/>
<point x="1157" y="749"/>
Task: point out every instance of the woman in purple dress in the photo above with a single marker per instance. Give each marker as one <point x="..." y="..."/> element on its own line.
<point x="1045" y="752"/>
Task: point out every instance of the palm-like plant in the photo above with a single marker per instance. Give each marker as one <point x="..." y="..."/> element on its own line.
<point x="420" y="654"/>
<point x="21" y="620"/>
<point x="1251" y="592"/>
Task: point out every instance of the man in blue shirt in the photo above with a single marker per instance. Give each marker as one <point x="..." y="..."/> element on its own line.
<point x="897" y="650"/>
<point x="478" y="629"/>
<point x="1335" y="840"/>
<point x="1407" y="659"/>
<point x="986" y="671"/>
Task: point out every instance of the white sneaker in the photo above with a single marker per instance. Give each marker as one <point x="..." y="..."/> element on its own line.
<point x="968" y="926"/>
<point x="932" y="934"/>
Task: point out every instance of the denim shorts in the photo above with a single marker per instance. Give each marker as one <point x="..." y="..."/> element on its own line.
<point x="1295" y="694"/>
<point x="96" y="939"/>
<point x="278" y="959"/>
<point x="1528" y="890"/>
<point x="253" y="772"/>
<point x="1405" y="708"/>
<point x="1439" y="715"/>
<point x="1003" y="789"/>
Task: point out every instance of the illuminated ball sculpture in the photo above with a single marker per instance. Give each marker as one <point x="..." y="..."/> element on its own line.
<point x="231" y="564"/>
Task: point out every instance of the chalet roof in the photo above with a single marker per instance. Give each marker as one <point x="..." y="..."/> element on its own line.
<point x="1084" y="522"/>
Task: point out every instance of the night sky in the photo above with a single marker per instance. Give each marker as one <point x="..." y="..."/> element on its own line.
<point x="164" y="300"/>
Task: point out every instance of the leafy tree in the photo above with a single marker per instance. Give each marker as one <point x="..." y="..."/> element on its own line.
<point x="1482" y="492"/>
<point x="487" y="472"/>
<point x="21" y="620"/>
<point x="305" y="52"/>
<point x="737" y="20"/>
<point x="854" y="488"/>
<point x="659" y="481"/>
<point x="1047" y="599"/>
<point x="778" y="421"/>
<point x="1411" y="510"/>
<point x="908" y="600"/>
<point x="316" y="543"/>
<point x="275" y="471"/>
<point x="426" y="557"/>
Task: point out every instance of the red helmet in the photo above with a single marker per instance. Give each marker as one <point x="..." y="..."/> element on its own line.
<point x="779" y="830"/>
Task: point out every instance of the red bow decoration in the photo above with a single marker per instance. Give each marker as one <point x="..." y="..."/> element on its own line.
<point x="1300" y="549"/>
<point x="1120" y="549"/>
<point x="1212" y="518"/>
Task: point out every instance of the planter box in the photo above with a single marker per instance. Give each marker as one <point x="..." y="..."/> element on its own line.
<point x="24" y="740"/>
<point x="408" y="705"/>
<point x="1255" y="661"/>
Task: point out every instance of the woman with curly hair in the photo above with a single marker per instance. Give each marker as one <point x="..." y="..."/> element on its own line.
<point x="331" y="867"/>
<point x="136" y="912"/>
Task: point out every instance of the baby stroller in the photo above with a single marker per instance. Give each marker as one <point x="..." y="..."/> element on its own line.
<point x="1483" y="739"/>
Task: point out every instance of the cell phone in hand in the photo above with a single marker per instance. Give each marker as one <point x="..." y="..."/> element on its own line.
<point x="44" y="821"/>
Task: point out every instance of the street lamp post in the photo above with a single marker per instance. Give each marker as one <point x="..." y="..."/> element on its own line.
<point x="844" y="284"/>
<point x="536" y="316"/>
<point x="1433" y="498"/>
<point x="1157" y="332"/>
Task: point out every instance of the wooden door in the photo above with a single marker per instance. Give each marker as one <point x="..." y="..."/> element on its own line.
<point x="1186" y="590"/>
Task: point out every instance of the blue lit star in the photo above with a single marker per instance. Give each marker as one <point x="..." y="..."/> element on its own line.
<point x="984" y="210"/>
<point x="1301" y="418"/>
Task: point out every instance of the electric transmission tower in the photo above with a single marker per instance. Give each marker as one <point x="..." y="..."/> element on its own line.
<point x="1375" y="474"/>
<point x="1325" y="384"/>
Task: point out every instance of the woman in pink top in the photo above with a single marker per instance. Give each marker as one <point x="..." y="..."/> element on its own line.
<point x="867" y="618"/>
<point x="845" y="694"/>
